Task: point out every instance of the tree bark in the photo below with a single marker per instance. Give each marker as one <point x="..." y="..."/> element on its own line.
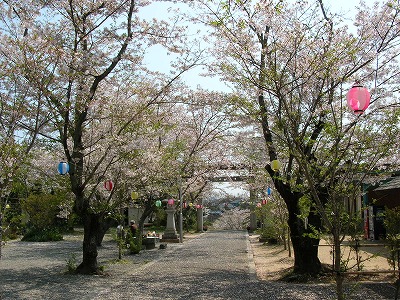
<point x="104" y="226"/>
<point x="1" y="233"/>
<point x="305" y="248"/>
<point x="91" y="230"/>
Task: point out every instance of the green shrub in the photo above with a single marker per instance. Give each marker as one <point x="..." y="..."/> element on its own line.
<point x="392" y="226"/>
<point x="42" y="235"/>
<point x="71" y="264"/>
<point x="135" y="243"/>
<point x="42" y="209"/>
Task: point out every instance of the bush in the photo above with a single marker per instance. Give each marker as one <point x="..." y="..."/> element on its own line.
<point x="392" y="226"/>
<point x="134" y="247"/>
<point x="135" y="243"/>
<point x="71" y="264"/>
<point x="42" y="209"/>
<point x="42" y="235"/>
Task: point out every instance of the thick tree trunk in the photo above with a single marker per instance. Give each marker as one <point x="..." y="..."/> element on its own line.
<point x="91" y="230"/>
<point x="148" y="209"/>
<point x="305" y="248"/>
<point x="104" y="226"/>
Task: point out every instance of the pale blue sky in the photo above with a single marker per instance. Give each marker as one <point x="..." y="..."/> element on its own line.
<point x="157" y="58"/>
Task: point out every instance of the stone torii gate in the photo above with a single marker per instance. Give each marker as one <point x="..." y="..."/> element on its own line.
<point x="170" y="234"/>
<point x="239" y="178"/>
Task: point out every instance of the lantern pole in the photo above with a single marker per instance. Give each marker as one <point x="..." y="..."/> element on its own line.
<point x="180" y="210"/>
<point x="181" y="170"/>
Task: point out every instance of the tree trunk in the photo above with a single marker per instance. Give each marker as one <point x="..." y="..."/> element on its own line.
<point x="337" y="265"/>
<point x="91" y="230"/>
<point x="289" y="242"/>
<point x="305" y="248"/>
<point x="148" y="209"/>
<point x="104" y="226"/>
<point x="1" y="233"/>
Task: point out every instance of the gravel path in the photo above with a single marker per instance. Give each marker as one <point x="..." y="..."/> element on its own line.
<point x="214" y="265"/>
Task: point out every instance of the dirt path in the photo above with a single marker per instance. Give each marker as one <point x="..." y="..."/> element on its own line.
<point x="272" y="261"/>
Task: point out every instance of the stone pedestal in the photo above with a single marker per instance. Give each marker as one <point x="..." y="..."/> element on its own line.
<point x="253" y="219"/>
<point x="253" y="216"/>
<point x="200" y="219"/>
<point x="170" y="234"/>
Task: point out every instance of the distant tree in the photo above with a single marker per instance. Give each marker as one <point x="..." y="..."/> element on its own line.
<point x="234" y="219"/>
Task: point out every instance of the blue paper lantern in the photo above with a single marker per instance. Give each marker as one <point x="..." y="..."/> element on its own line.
<point x="63" y="168"/>
<point x="269" y="191"/>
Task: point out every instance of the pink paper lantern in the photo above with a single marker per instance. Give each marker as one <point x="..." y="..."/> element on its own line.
<point x="108" y="185"/>
<point x="358" y="98"/>
<point x="170" y="202"/>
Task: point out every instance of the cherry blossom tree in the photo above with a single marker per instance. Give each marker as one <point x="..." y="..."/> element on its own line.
<point x="234" y="219"/>
<point x="22" y="119"/>
<point x="187" y="137"/>
<point x="291" y="64"/>
<point x="84" y="59"/>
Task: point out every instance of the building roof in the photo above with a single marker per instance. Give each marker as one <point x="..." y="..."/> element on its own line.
<point x="393" y="183"/>
<point x="387" y="193"/>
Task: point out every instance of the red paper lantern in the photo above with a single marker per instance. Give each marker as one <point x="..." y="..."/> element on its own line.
<point x="265" y="201"/>
<point x="184" y="205"/>
<point x="358" y="98"/>
<point x="108" y="185"/>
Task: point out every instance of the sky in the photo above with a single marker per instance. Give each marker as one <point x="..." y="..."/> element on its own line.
<point x="159" y="11"/>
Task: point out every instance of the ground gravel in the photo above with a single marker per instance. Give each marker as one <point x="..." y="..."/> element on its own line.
<point x="213" y="265"/>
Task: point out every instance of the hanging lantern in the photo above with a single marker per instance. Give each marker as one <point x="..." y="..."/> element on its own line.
<point x="358" y="98"/>
<point x="170" y="202"/>
<point x="198" y="206"/>
<point x="269" y="191"/>
<point x="184" y="204"/>
<point x="265" y="201"/>
<point x="258" y="204"/>
<point x="275" y="165"/>
<point x="158" y="203"/>
<point x="134" y="195"/>
<point x="63" y="168"/>
<point x="108" y="185"/>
